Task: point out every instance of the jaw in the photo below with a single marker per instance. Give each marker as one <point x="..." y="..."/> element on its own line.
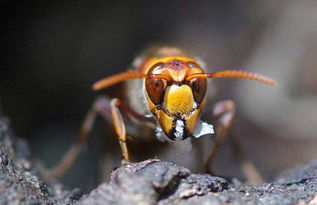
<point x="177" y="127"/>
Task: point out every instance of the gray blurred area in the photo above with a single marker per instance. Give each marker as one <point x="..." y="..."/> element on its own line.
<point x="54" y="50"/>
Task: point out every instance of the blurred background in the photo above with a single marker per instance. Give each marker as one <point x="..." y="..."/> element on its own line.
<point x="52" y="52"/>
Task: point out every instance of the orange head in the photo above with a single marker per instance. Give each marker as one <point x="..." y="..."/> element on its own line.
<point x="175" y="100"/>
<point x="175" y="90"/>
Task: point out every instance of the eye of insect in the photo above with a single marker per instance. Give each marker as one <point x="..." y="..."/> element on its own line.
<point x="199" y="87"/>
<point x="193" y="65"/>
<point x="155" y="88"/>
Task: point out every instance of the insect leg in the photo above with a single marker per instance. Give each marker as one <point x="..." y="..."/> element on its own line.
<point x="223" y="112"/>
<point x="109" y="110"/>
<point x="247" y="167"/>
<point x="100" y="106"/>
<point x="120" y="129"/>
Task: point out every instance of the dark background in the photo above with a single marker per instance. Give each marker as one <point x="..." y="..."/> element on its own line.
<point x="52" y="52"/>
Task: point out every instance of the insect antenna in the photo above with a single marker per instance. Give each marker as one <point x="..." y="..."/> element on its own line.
<point x="234" y="74"/>
<point x="117" y="78"/>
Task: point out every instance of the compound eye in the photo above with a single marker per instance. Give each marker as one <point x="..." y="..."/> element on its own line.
<point x="199" y="87"/>
<point x="155" y="88"/>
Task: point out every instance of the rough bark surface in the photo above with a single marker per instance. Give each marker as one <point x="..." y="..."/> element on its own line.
<point x="157" y="182"/>
<point x="149" y="182"/>
<point x="20" y="183"/>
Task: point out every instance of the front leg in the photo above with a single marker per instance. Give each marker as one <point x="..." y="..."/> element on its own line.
<point x="110" y="110"/>
<point x="120" y="129"/>
<point x="223" y="113"/>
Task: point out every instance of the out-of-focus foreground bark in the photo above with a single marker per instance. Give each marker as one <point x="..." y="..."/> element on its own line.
<point x="148" y="182"/>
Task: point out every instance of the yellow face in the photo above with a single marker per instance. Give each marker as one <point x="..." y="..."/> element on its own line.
<point x="175" y="101"/>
